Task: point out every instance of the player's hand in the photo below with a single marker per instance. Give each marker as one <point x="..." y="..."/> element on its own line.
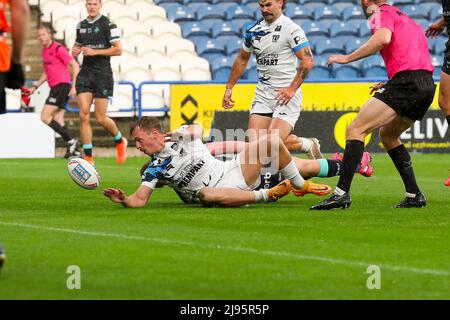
<point x="227" y="102"/>
<point x="284" y="95"/>
<point x="88" y="52"/>
<point x="434" y="30"/>
<point x="116" y="195"/>
<point x="31" y="91"/>
<point x="76" y="50"/>
<point x="338" y="58"/>
<point x="376" y="87"/>
<point x="73" y="92"/>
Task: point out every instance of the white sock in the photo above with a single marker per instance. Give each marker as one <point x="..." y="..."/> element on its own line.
<point x="410" y="195"/>
<point x="339" y="191"/>
<point x="261" y="195"/>
<point x="306" y="145"/>
<point x="291" y="172"/>
<point x="71" y="141"/>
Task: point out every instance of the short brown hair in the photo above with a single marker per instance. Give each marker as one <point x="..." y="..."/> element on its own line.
<point x="147" y="124"/>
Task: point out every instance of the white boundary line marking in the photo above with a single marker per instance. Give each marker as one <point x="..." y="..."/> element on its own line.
<point x="234" y="249"/>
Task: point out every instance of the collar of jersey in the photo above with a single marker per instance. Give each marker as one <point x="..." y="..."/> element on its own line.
<point x="92" y="21"/>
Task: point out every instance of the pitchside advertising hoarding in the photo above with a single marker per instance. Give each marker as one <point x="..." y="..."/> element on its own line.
<point x="328" y="108"/>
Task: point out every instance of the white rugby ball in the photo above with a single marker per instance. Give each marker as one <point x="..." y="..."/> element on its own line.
<point x="83" y="173"/>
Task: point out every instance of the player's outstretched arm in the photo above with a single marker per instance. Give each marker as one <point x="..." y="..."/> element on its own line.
<point x="136" y="200"/>
<point x="376" y="42"/>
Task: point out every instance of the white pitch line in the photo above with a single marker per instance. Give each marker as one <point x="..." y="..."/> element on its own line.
<point x="234" y="249"/>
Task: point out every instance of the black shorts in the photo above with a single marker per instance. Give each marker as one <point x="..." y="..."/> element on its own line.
<point x="409" y="93"/>
<point x="99" y="83"/>
<point x="59" y="95"/>
<point x="446" y="63"/>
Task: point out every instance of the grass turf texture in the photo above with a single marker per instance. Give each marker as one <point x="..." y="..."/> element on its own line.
<point x="172" y="251"/>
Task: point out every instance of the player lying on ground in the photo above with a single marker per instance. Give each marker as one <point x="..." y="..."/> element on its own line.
<point x="187" y="166"/>
<point x="179" y="162"/>
<point x="324" y="168"/>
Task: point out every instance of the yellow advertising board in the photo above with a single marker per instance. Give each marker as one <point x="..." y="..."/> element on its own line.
<point x="198" y="102"/>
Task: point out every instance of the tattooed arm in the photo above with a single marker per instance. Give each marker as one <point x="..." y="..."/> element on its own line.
<point x="306" y="64"/>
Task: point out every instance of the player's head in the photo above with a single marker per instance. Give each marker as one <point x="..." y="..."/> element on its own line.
<point x="93" y="7"/>
<point x="271" y="9"/>
<point x="369" y="6"/>
<point x="148" y="135"/>
<point x="45" y="36"/>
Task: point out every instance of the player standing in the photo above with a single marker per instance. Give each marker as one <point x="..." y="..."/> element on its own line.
<point x="404" y="99"/>
<point x="56" y="58"/>
<point x="97" y="39"/>
<point x="277" y="43"/>
<point x="435" y="30"/>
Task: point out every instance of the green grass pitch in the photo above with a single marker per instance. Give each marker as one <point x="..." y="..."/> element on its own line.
<point x="172" y="251"/>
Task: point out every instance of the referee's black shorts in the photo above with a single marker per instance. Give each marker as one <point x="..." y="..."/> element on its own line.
<point x="59" y="95"/>
<point x="409" y="93"/>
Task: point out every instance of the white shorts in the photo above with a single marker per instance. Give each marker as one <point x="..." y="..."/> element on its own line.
<point x="264" y="102"/>
<point x="233" y="177"/>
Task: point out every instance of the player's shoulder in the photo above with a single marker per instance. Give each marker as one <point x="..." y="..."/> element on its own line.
<point x="289" y="25"/>
<point x="253" y="25"/>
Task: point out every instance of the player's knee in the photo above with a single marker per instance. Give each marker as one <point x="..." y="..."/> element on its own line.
<point x="101" y="119"/>
<point x="45" y="118"/>
<point x="84" y="116"/>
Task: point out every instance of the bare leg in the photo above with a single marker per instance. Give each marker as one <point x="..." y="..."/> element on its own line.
<point x="58" y="116"/>
<point x="84" y="104"/>
<point x="444" y="94"/>
<point x="226" y="196"/>
<point x="101" y="107"/>
<point x="257" y="125"/>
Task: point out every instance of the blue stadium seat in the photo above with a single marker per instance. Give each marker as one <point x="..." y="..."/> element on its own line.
<point x="431" y="45"/>
<point x="296" y="11"/>
<point x="234" y="45"/>
<point x="210" y="12"/>
<point x="346" y="71"/>
<point x="196" y="5"/>
<point x="210" y="22"/>
<point x="344" y="29"/>
<point x="401" y="3"/>
<point x="226" y="28"/>
<point x="364" y="30"/>
<point x="326" y="13"/>
<point x="196" y="28"/>
<point x="436" y="13"/>
<point x="160" y="2"/>
<point x="330" y="46"/>
<point x="314" y="40"/>
<point x="373" y="67"/>
<point x="354" y="12"/>
<point x="426" y="7"/>
<point x="439" y="46"/>
<point x="243" y="22"/>
<point x="228" y="2"/>
<point x="423" y="23"/>
<point x="314" y="5"/>
<point x="415" y="13"/>
<point x="353" y="44"/>
<point x="342" y="1"/>
<point x="307" y="2"/>
<point x="251" y="74"/>
<point x="239" y="12"/>
<point x="319" y="73"/>
<point x="191" y="2"/>
<point x="210" y="46"/>
<point x="221" y="68"/>
<point x="315" y="28"/>
<point x="198" y="38"/>
<point x="179" y="13"/>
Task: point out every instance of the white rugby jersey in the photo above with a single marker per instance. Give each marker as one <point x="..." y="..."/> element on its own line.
<point x="275" y="45"/>
<point x="185" y="166"/>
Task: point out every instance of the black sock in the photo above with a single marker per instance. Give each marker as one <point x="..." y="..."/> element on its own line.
<point x="63" y="131"/>
<point x="88" y="152"/>
<point x="402" y="161"/>
<point x="352" y="156"/>
<point x="334" y="167"/>
<point x="448" y="120"/>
